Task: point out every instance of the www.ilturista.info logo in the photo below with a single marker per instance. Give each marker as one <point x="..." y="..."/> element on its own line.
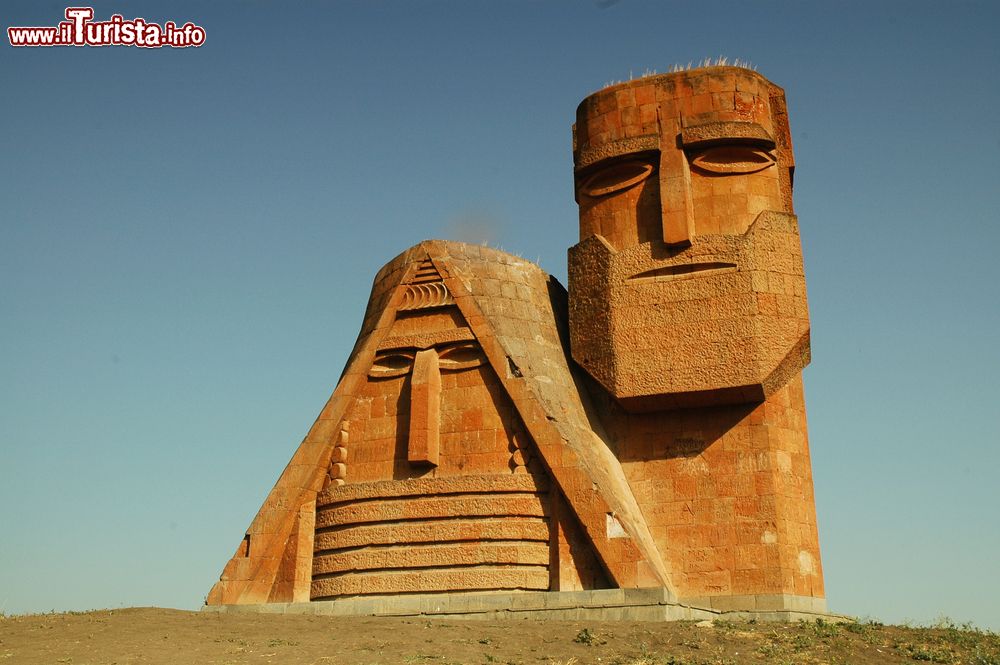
<point x="79" y="29"/>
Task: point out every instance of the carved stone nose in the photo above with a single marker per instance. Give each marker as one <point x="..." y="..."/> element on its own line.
<point x="677" y="209"/>
<point x="425" y="409"/>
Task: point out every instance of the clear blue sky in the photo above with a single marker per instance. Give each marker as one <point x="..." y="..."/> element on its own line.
<point x="188" y="238"/>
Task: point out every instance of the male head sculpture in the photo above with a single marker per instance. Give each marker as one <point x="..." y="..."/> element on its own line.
<point x="687" y="284"/>
<point x="687" y="290"/>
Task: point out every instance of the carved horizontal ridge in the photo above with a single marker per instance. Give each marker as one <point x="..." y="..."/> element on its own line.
<point x="385" y="489"/>
<point x="450" y="568"/>
<point x="471" y="542"/>
<point x="398" y="509"/>
<point x="464" y="578"/>
<point x="429" y="531"/>
<point x="438" y="555"/>
<point x="425" y="272"/>
<point x="434" y="522"/>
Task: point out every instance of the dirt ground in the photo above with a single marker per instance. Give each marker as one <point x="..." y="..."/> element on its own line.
<point x="151" y="635"/>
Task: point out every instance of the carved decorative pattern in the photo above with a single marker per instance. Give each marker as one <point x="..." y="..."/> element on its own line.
<point x="423" y="296"/>
<point x="337" y="472"/>
<point x="425" y="272"/>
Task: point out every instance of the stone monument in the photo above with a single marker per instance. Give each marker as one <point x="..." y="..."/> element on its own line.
<point x="494" y="434"/>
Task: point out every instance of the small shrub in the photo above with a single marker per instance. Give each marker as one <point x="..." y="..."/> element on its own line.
<point x="825" y="629"/>
<point x="769" y="650"/>
<point x="725" y="624"/>
<point x="966" y="634"/>
<point x="589" y="638"/>
<point x="864" y="627"/>
<point x="800" y="642"/>
<point x="982" y="658"/>
<point x="927" y="653"/>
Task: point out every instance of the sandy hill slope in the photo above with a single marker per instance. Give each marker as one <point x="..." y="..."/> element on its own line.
<point x="152" y="635"/>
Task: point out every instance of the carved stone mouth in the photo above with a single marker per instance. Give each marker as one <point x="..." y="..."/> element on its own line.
<point x="683" y="271"/>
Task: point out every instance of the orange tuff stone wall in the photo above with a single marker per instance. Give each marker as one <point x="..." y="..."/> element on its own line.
<point x="728" y="494"/>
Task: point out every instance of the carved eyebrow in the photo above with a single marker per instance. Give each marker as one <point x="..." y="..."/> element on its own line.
<point x="426" y="340"/>
<point x="726" y="132"/>
<point x="587" y="157"/>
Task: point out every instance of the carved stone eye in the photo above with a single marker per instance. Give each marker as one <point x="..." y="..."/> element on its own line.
<point x="390" y="364"/>
<point x="616" y="178"/>
<point x="733" y="159"/>
<point x="461" y="356"/>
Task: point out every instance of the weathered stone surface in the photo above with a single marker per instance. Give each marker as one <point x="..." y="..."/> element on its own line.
<point x="531" y="505"/>
<point x="432" y="579"/>
<point x="432" y="556"/>
<point x="470" y="484"/>
<point x="478" y="529"/>
<point x="609" y="604"/>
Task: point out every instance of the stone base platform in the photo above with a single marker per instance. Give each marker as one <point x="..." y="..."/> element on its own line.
<point x="600" y="605"/>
